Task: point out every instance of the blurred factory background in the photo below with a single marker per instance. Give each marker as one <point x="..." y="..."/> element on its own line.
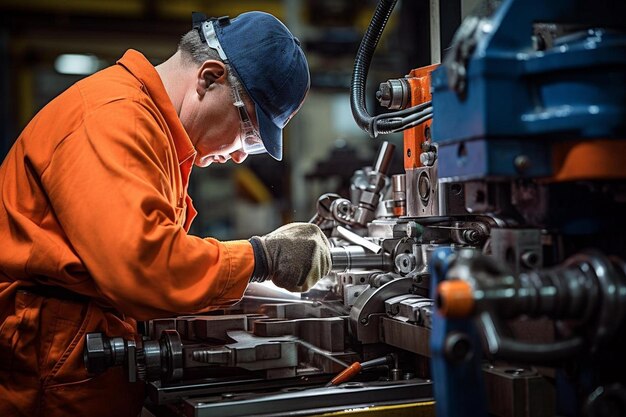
<point x="45" y="46"/>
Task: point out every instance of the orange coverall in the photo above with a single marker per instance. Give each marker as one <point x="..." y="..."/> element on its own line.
<point x="93" y="199"/>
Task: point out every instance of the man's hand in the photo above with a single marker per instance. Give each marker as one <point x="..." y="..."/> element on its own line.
<point x="294" y="256"/>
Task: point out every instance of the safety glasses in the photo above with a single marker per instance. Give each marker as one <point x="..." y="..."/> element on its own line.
<point x="251" y="142"/>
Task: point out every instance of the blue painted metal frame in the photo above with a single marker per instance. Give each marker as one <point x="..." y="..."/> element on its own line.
<point x="471" y="159"/>
<point x="458" y="387"/>
<point x="514" y="93"/>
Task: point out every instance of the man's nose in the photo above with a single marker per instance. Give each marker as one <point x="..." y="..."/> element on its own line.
<point x="238" y="156"/>
<point x="221" y="158"/>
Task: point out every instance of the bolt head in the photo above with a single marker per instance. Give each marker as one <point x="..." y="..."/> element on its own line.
<point x="522" y="163"/>
<point x="95" y="356"/>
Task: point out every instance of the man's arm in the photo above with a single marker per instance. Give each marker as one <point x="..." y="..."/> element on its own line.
<point x="109" y="185"/>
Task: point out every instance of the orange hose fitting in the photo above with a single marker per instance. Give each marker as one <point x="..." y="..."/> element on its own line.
<point x="455" y="298"/>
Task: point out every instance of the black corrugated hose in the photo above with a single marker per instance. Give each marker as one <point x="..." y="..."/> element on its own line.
<point x="388" y="122"/>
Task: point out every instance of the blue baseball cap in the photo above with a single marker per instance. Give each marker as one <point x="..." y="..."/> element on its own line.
<point x="269" y="62"/>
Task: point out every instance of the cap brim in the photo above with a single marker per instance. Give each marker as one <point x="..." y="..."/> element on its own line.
<point x="271" y="135"/>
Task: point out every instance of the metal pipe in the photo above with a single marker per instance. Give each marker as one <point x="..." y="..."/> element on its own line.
<point x="358" y="240"/>
<point x="356" y="257"/>
<point x="399" y="194"/>
<point x="384" y="157"/>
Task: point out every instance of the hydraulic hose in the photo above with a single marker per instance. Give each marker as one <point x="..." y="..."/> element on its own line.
<point x="362" y="66"/>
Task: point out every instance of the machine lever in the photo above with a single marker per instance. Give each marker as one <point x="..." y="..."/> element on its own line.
<point x="354" y="369"/>
<point x="358" y="240"/>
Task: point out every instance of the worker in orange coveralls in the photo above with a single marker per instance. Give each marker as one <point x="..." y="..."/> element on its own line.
<point x="94" y="210"/>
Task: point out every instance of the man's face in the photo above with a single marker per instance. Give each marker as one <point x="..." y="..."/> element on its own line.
<point x="213" y="124"/>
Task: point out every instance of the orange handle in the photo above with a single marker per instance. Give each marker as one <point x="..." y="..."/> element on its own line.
<point x="455" y="298"/>
<point x="347" y="374"/>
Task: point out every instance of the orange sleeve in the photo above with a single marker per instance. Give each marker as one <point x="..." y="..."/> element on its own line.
<point x="110" y="186"/>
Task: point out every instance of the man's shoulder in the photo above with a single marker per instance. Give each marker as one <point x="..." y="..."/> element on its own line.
<point x="111" y="85"/>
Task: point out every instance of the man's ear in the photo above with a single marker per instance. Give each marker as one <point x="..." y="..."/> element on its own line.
<point x="209" y="73"/>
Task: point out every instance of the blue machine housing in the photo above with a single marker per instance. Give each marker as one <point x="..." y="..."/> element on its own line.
<point x="518" y="100"/>
<point x="458" y="384"/>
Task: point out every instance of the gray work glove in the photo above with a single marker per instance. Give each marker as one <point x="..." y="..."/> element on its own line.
<point x="294" y="256"/>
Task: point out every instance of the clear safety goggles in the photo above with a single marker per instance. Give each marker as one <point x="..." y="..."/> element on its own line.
<point x="251" y="142"/>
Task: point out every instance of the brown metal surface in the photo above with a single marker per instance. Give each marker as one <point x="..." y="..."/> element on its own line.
<point x="517" y="392"/>
<point x="406" y="336"/>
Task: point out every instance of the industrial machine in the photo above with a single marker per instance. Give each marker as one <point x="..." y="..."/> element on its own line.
<point x="488" y="279"/>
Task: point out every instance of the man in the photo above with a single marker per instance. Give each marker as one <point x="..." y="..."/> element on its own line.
<point x="94" y="208"/>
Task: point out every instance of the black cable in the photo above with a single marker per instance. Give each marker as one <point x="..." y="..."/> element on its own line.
<point x="384" y="125"/>
<point x="362" y="65"/>
<point x="417" y="116"/>
<point x="415" y="123"/>
<point x="407" y="111"/>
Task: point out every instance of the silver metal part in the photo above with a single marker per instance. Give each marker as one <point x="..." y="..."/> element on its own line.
<point x="173" y="346"/>
<point x="405" y="263"/>
<point x="381" y="229"/>
<point x="383" y="160"/>
<point x="422" y="192"/>
<point x="358" y="240"/>
<point x="399" y="194"/>
<point x="394" y="94"/>
<point x="356" y="257"/>
<point x="410" y="308"/>
<point x="351" y="292"/>
<point x="324" y="209"/>
<point x="151" y="353"/>
<point x="412" y="259"/>
<point x="428" y="158"/>
<point x="249" y="352"/>
<point x="520" y="249"/>
<point x="370" y="306"/>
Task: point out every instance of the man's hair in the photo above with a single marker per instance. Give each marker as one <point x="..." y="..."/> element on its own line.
<point x="195" y="51"/>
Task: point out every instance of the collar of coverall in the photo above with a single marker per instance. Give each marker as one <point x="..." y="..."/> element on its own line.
<point x="139" y="66"/>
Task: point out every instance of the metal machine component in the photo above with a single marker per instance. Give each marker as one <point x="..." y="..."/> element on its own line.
<point x="512" y="182"/>
<point x="356" y="257"/>
<point x="241" y="353"/>
<point x="358" y="240"/>
<point x="463" y="45"/>
<point x="429" y="154"/>
<point x="354" y="369"/>
<point x="314" y="400"/>
<point x="455" y="356"/>
<point x="523" y="392"/>
<point x="324" y="209"/>
<point x="399" y="194"/>
<point x="521" y="249"/>
<point x="369" y="308"/>
<point x="520" y="172"/>
<point x="423" y="192"/>
<point x="394" y="94"/>
<point x="479" y="142"/>
<point x="410" y="308"/>
<point x="587" y="288"/>
<point x="101" y="353"/>
<point x="368" y="187"/>
<point x="370" y="195"/>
